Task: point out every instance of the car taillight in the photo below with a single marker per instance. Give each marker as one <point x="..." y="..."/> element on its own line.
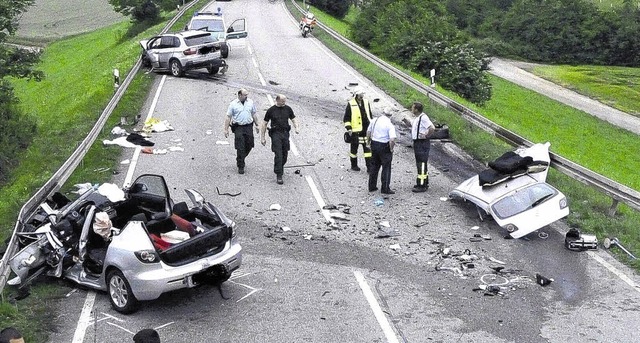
<point x="147" y="256"/>
<point x="563" y="203"/>
<point x="190" y="51"/>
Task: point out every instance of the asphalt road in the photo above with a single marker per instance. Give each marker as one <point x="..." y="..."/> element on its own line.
<point x="321" y="283"/>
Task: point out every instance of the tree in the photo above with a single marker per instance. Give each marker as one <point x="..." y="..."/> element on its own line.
<point x="143" y="10"/>
<point x="16" y="130"/>
<point x="421" y="35"/>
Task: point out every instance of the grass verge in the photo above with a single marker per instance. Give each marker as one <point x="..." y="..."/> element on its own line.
<point x="573" y="134"/>
<point x="618" y="87"/>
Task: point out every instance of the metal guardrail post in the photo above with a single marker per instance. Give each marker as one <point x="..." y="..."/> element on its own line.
<point x="615" y="190"/>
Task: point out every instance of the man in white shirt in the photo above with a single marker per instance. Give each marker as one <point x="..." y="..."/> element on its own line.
<point x="421" y="129"/>
<point x="381" y="135"/>
<point x="241" y="116"/>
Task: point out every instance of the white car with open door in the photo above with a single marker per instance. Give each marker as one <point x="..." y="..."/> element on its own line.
<point x="514" y="192"/>
<point x="214" y="23"/>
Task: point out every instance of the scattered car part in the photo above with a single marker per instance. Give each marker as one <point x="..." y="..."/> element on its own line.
<point x="576" y="241"/>
<point x="608" y="242"/>
<point x="520" y="201"/>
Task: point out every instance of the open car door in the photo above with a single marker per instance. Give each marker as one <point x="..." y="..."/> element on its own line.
<point x="150" y="194"/>
<point x="237" y="29"/>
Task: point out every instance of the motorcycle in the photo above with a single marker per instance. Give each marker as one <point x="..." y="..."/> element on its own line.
<point x="307" y="23"/>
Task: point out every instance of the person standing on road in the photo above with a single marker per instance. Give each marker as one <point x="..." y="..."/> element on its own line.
<point x="382" y="137"/>
<point x="421" y="130"/>
<point x="357" y="117"/>
<point x="241" y="115"/>
<point x="279" y="116"/>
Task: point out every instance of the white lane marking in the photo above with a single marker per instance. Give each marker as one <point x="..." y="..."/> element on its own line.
<point x="375" y="307"/>
<point x="255" y="63"/>
<point x="85" y="318"/>
<point x="136" y="153"/>
<point x="614" y="270"/>
<point x="319" y="200"/>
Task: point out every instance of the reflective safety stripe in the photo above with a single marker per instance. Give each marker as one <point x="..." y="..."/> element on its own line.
<point x="362" y="140"/>
<point x="367" y="154"/>
<point x="353" y="155"/>
<point x="423" y="176"/>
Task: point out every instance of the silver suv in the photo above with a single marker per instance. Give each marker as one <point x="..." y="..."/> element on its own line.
<point x="177" y="52"/>
<point x="214" y="22"/>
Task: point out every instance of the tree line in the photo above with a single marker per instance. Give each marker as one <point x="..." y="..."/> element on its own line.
<point x="456" y="37"/>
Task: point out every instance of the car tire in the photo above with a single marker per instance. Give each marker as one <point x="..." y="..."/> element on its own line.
<point x="224" y="50"/>
<point x="120" y="293"/>
<point x="176" y="68"/>
<point x="213" y="70"/>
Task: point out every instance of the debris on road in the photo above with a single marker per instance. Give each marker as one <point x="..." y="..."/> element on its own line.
<point x="543" y="281"/>
<point x="575" y="241"/>
<point x="275" y="207"/>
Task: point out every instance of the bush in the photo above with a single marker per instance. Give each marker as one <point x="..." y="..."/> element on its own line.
<point x="337" y="8"/>
<point x="16" y="131"/>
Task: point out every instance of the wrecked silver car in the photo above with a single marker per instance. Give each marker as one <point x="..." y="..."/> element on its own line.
<point x="135" y="245"/>
<point x="514" y="192"/>
<point x="178" y="52"/>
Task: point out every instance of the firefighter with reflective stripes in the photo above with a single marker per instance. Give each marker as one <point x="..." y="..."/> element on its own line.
<point x="357" y="117"/>
<point x="421" y="129"/>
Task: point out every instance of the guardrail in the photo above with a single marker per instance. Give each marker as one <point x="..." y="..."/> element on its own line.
<point x="60" y="177"/>
<point x="616" y="191"/>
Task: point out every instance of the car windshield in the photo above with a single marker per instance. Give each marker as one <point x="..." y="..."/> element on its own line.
<point x="210" y="25"/>
<point x="523" y="200"/>
<point x="199" y="39"/>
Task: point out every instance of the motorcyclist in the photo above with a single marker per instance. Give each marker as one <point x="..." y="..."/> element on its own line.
<point x="309" y="19"/>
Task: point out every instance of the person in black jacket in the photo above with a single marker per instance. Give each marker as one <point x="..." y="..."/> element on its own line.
<point x="279" y="116"/>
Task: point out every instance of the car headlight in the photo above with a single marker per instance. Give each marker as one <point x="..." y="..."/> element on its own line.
<point x="511" y="228"/>
<point x="147" y="256"/>
<point x="563" y="203"/>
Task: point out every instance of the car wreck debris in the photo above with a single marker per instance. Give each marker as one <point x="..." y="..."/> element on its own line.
<point x="543" y="281"/>
<point x="514" y="192"/>
<point x="576" y="241"/>
<point x="608" y="242"/>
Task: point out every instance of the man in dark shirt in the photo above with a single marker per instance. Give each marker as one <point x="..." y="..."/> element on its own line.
<point x="279" y="116"/>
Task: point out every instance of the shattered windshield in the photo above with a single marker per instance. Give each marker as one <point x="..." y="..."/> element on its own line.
<point x="523" y="200"/>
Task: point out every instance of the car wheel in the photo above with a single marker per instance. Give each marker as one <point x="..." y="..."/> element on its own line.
<point x="176" y="68"/>
<point x="224" y="50"/>
<point x="120" y="294"/>
<point x="213" y="70"/>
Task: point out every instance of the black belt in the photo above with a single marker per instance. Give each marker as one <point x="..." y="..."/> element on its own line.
<point x="384" y="143"/>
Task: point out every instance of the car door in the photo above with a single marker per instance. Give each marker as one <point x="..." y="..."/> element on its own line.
<point x="237" y="29"/>
<point x="150" y="194"/>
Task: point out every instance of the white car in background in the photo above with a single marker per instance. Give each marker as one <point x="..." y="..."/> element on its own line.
<point x="214" y="23"/>
<point x="514" y="191"/>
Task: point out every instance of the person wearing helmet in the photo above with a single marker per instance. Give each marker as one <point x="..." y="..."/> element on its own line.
<point x="357" y="117"/>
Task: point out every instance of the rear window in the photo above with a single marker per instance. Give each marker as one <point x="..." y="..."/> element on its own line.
<point x="208" y="24"/>
<point x="199" y="39"/>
